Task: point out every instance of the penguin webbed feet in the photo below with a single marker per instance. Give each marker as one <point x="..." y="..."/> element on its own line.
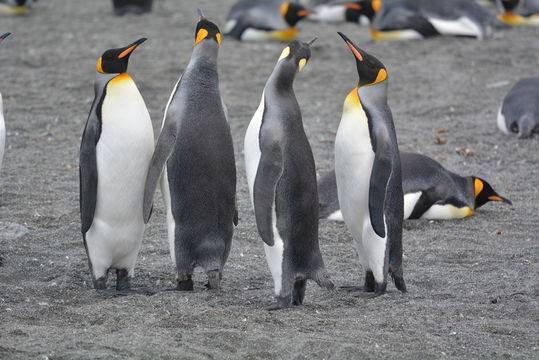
<point x="282" y="302"/>
<point x="184" y="282"/>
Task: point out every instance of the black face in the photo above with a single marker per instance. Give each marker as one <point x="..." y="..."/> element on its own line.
<point x="295" y="13"/>
<point x="207" y="30"/>
<point x="510" y="5"/>
<point x="355" y="9"/>
<point x="115" y="60"/>
<point x="370" y="70"/>
<point x="486" y="194"/>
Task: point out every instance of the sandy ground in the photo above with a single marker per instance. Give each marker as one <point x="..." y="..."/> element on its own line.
<point x="473" y="293"/>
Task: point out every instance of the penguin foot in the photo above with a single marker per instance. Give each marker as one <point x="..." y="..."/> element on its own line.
<point x="100" y="283"/>
<point x="185" y="285"/>
<point x="298" y="294"/>
<point x="380" y="288"/>
<point x="369" y="282"/>
<point x="282" y="302"/>
<point x="123" y="280"/>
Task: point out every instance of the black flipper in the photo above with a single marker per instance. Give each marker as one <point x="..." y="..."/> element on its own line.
<point x="163" y="149"/>
<point x="423" y="26"/>
<point x="381" y="172"/>
<point x="422" y="205"/>
<point x="88" y="165"/>
<point x="268" y="174"/>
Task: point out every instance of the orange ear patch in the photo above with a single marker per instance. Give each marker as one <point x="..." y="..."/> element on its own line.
<point x="127" y="51"/>
<point x="478" y="187"/>
<point x="354" y="50"/>
<point x="218" y="37"/>
<point x="201" y="35"/>
<point x="99" y="66"/>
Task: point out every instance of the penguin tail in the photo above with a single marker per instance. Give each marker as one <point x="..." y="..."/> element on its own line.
<point x="214" y="279"/>
<point x="526" y="126"/>
<point x="398" y="278"/>
<point x="323" y="279"/>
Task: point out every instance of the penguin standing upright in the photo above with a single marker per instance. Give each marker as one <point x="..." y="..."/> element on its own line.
<point x="282" y="183"/>
<point x="430" y="191"/>
<point x="2" y="123"/>
<point x="199" y="178"/>
<point x="519" y="111"/>
<point x="262" y="20"/>
<point x="368" y="172"/>
<point x="115" y="154"/>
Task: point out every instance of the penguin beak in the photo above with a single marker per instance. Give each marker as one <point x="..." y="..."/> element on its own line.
<point x="2" y="37"/>
<point x="129" y="49"/>
<point x="303" y="13"/>
<point x="499" y="198"/>
<point x="353" y="6"/>
<point x="312" y="41"/>
<point x="352" y="46"/>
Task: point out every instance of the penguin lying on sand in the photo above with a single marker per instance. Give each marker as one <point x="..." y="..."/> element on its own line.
<point x="368" y="173"/>
<point x="414" y="19"/>
<point x="137" y="7"/>
<point x="519" y="12"/>
<point x="430" y="191"/>
<point x="262" y="20"/>
<point x="115" y="154"/>
<point x="282" y="182"/>
<point x="519" y="111"/>
<point x="195" y="155"/>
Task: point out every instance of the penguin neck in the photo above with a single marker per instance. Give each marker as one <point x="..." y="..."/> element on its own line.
<point x="101" y="80"/>
<point x="204" y="55"/>
<point x="282" y="77"/>
<point x="468" y="184"/>
<point x="373" y="95"/>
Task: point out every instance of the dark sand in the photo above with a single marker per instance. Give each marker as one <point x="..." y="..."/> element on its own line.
<point x="473" y="293"/>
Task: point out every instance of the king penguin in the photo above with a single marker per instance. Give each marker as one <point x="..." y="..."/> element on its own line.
<point x="430" y="191"/>
<point x="282" y="183"/>
<point x="15" y="7"/>
<point x="414" y="19"/>
<point x="519" y="111"/>
<point x="519" y="12"/>
<point x="263" y="20"/>
<point x="368" y="172"/>
<point x="2" y="123"/>
<point x="198" y="182"/>
<point x="115" y="153"/>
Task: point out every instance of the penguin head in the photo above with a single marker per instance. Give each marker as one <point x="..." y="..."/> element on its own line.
<point x="3" y="36"/>
<point x="353" y="10"/>
<point x="206" y="30"/>
<point x="484" y="193"/>
<point x="296" y="53"/>
<point x="114" y="61"/>
<point x="292" y="13"/>
<point x="371" y="71"/>
<point x="509" y="5"/>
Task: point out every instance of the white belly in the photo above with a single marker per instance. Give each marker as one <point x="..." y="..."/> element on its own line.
<point x="354" y="158"/>
<point x="461" y="26"/>
<point x="171" y="224"/>
<point x="251" y="147"/>
<point x="329" y="14"/>
<point x="123" y="152"/>
<point x="410" y="200"/>
<point x="2" y="132"/>
<point x="501" y="121"/>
